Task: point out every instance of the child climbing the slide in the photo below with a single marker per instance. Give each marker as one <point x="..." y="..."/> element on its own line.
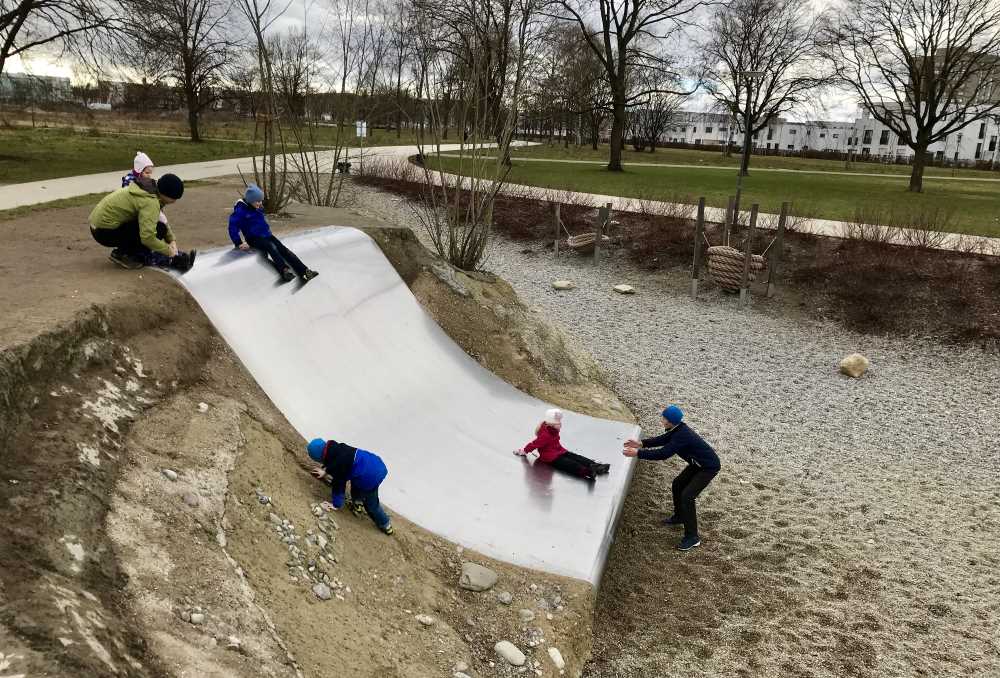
<point x="547" y="449"/>
<point x="248" y="218"/>
<point x="364" y="470"/>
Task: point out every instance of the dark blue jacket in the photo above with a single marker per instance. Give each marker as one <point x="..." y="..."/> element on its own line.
<point x="683" y="442"/>
<point x="249" y="220"/>
<point x="365" y="470"/>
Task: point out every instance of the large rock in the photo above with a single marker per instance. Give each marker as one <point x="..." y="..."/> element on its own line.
<point x="476" y="577"/>
<point x="510" y="653"/>
<point x="624" y="289"/>
<point x="854" y="365"/>
<point x="322" y="591"/>
<point x="563" y="285"/>
<point x="556" y="656"/>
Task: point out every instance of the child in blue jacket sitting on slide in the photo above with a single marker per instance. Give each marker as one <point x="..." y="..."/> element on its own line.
<point x="364" y="470"/>
<point x="248" y="218"/>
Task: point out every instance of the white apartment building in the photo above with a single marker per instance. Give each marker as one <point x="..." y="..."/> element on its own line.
<point x="863" y="136"/>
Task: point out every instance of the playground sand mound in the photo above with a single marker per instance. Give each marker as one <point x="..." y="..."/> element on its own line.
<point x="157" y="520"/>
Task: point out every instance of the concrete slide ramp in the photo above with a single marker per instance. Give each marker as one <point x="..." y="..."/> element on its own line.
<point x="353" y="356"/>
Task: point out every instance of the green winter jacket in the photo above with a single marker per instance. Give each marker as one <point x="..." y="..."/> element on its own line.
<point x="133" y="204"/>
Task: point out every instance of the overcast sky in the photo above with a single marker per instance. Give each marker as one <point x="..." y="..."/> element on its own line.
<point x="833" y="106"/>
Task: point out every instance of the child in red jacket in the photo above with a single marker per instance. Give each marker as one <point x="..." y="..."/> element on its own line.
<point x="551" y="451"/>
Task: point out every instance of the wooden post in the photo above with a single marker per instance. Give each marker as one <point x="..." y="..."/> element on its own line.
<point x="774" y="276"/>
<point x="729" y="219"/>
<point x="747" y="254"/>
<point x="699" y="232"/>
<point x="558" y="225"/>
<point x="734" y="225"/>
<point x="603" y="216"/>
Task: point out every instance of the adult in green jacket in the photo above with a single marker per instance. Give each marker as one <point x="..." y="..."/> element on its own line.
<point x="128" y="221"/>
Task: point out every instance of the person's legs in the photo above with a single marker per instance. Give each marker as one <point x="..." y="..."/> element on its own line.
<point x="597" y="466"/>
<point x="266" y="246"/>
<point x="568" y="463"/>
<point x="698" y="482"/>
<point x="372" y="505"/>
<point x="290" y="257"/>
<point x="677" y="488"/>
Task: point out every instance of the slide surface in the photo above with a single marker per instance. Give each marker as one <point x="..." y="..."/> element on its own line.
<point x="354" y="357"/>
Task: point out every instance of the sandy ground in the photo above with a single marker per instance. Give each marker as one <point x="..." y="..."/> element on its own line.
<point x="112" y="568"/>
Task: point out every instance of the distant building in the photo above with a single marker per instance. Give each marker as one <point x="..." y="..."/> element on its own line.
<point x="26" y="89"/>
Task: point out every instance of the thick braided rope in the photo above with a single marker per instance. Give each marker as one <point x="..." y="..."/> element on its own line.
<point x="726" y="266"/>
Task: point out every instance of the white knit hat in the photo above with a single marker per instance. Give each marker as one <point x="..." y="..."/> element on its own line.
<point x="553" y="416"/>
<point x="141" y="162"/>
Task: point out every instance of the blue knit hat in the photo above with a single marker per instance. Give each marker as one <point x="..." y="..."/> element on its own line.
<point x="253" y="194"/>
<point x="316" y="447"/>
<point x="673" y="414"/>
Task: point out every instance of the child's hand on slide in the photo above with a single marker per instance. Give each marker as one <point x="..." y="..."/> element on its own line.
<point x="532" y="457"/>
<point x="244" y="247"/>
<point x="319" y="472"/>
<point x="519" y="453"/>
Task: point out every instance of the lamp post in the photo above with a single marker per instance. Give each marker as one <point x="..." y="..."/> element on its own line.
<point x="747" y="122"/>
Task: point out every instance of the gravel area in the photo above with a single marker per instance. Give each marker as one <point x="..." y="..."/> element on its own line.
<point x="855" y="527"/>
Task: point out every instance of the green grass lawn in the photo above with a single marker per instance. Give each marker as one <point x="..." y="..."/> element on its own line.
<point x="975" y="206"/>
<point x="681" y="156"/>
<point x="30" y="155"/>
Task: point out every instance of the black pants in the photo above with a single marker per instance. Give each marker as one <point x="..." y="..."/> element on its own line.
<point x="281" y="257"/>
<point x="126" y="238"/>
<point x="575" y="465"/>
<point x="686" y="487"/>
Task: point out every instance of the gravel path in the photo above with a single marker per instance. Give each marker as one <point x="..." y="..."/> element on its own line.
<point x="855" y="527"/>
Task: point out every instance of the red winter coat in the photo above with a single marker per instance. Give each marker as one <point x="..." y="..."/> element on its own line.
<point x="547" y="443"/>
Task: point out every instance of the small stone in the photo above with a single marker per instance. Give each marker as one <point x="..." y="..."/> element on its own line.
<point x="321" y="541"/>
<point x="192" y="500"/>
<point x="186" y="615"/>
<point x="170" y="474"/>
<point x="220" y="538"/>
<point x="505" y="597"/>
<point x="322" y="591"/>
<point x="624" y="289"/>
<point x="425" y="619"/>
<point x="510" y="653"/>
<point x="563" y="285"/>
<point x="556" y="656"/>
<point x="460" y="674"/>
<point x="461" y="667"/>
<point x="317" y="510"/>
<point x="854" y="365"/>
<point x="533" y="587"/>
<point x="197" y="618"/>
<point x="203" y="407"/>
<point x="526" y="616"/>
<point x="233" y="643"/>
<point x="476" y="577"/>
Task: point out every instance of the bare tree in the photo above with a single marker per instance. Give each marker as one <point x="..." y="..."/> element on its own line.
<point x="189" y="38"/>
<point x="648" y="120"/>
<point x="628" y="38"/>
<point x="923" y="69"/>
<point x="29" y="24"/>
<point x="777" y="40"/>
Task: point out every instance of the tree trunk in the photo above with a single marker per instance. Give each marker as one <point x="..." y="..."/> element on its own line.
<point x="192" y="107"/>
<point x="917" y="175"/>
<point x="617" y="129"/>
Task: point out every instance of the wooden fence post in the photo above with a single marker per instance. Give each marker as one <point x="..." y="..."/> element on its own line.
<point x="774" y="276"/>
<point x="558" y="225"/>
<point x="747" y="255"/>
<point x="729" y="219"/>
<point x="699" y="233"/>
<point x="603" y="217"/>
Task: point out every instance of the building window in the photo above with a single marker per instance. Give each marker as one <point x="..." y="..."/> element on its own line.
<point x="822" y="135"/>
<point x="865" y="152"/>
<point x="770" y="133"/>
<point x="982" y="130"/>
<point x="708" y="130"/>
<point x="993" y="143"/>
<point x="793" y="131"/>
<point x="979" y="150"/>
<point x="697" y="142"/>
<point x="694" y="130"/>
<point x="883" y="138"/>
<point x="867" y="139"/>
<point x="791" y="147"/>
<point x="939" y="156"/>
<point x="723" y="130"/>
<point x="836" y="136"/>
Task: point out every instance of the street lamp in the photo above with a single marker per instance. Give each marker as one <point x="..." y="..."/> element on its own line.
<point x="750" y="76"/>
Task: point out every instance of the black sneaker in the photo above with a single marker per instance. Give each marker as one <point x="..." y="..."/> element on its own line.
<point x="688" y="543"/>
<point x="191" y="255"/>
<point x="182" y="261"/>
<point x="673" y="520"/>
<point x="602" y="469"/>
<point x="287" y="275"/>
<point x="388" y="529"/>
<point x="124" y="260"/>
<point x="309" y="275"/>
